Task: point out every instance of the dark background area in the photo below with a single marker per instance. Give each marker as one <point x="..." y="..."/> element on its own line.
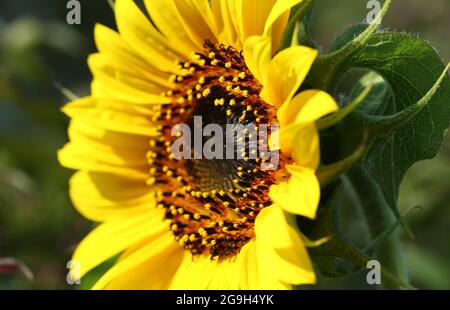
<point x="39" y="50"/>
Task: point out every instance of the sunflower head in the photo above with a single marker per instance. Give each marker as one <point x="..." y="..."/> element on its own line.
<point x="212" y="203"/>
<point x="230" y="215"/>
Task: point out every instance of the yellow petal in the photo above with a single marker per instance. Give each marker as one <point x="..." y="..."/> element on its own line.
<point x="272" y="228"/>
<point x="298" y="135"/>
<point x="301" y="142"/>
<point x="187" y="275"/>
<point x="113" y="115"/>
<point x="204" y="8"/>
<point x="254" y="19"/>
<point x="70" y="156"/>
<point x="238" y="272"/>
<point x="89" y="132"/>
<point x="280" y="7"/>
<point x="250" y="22"/>
<point x="232" y="273"/>
<point x="97" y="153"/>
<point x="197" y="19"/>
<point x="167" y="19"/>
<point x="250" y="279"/>
<point x="234" y="15"/>
<point x="114" y="155"/>
<point x="297" y="263"/>
<point x="217" y="16"/>
<point x="137" y="31"/>
<point x="120" y="54"/>
<point x="115" y="235"/>
<point x="300" y="195"/>
<point x="150" y="268"/>
<point x="119" y="75"/>
<point x="275" y="237"/>
<point x="285" y="271"/>
<point x="111" y="82"/>
<point x="306" y="107"/>
<point x="306" y="151"/>
<point x="102" y="196"/>
<point x="226" y="276"/>
<point x="278" y="29"/>
<point x="257" y="54"/>
<point x="288" y="265"/>
<point x="96" y="149"/>
<point x="317" y="104"/>
<point x="268" y="279"/>
<point x="224" y="24"/>
<point x="287" y="71"/>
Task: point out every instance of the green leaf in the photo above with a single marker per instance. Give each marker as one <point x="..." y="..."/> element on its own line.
<point x="411" y="67"/>
<point x="386" y="234"/>
<point x="339" y="246"/>
<point x="380" y="220"/>
<point x="405" y="72"/>
<point x="406" y="69"/>
<point x="380" y="126"/>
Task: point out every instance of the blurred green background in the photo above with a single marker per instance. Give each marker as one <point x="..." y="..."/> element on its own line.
<point x="39" y="51"/>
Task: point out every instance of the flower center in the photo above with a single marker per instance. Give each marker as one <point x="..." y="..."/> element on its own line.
<point x="212" y="203"/>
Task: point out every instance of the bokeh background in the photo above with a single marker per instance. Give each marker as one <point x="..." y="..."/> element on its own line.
<point x="40" y="53"/>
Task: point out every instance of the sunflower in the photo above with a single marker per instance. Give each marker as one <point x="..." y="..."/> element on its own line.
<point x="195" y="223"/>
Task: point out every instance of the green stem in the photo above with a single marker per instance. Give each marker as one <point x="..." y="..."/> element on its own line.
<point x="328" y="173"/>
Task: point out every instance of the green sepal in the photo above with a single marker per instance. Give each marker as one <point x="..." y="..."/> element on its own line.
<point x="327" y="69"/>
<point x="297" y="15"/>
<point x="335" y="118"/>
